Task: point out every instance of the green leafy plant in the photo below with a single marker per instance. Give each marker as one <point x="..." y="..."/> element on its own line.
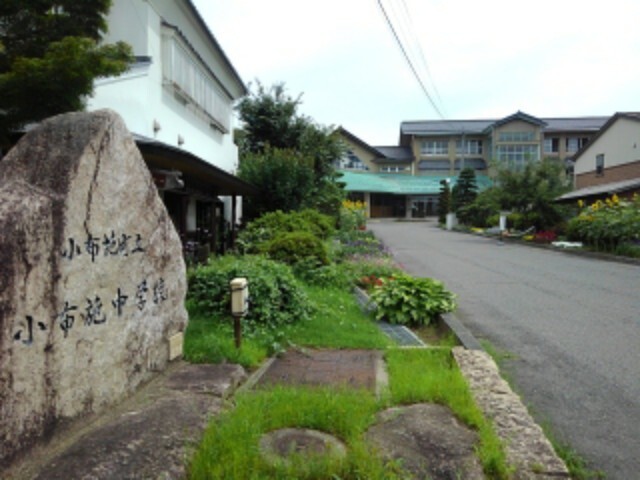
<point x="275" y="296"/>
<point x="332" y="275"/>
<point x="353" y="216"/>
<point x="608" y="225"/>
<point x="412" y="301"/>
<point x="258" y="233"/>
<point x="294" y="247"/>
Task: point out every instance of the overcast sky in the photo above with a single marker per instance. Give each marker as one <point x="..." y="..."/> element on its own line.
<point x="485" y="59"/>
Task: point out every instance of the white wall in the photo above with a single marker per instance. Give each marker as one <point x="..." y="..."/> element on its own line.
<point x="620" y="144"/>
<point x="139" y="96"/>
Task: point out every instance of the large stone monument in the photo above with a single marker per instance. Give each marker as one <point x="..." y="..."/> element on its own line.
<point x="92" y="279"/>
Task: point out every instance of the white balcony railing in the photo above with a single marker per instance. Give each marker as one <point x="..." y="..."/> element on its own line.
<point x="193" y="83"/>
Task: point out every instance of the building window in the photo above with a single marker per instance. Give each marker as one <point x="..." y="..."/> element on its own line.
<point x="600" y="164"/>
<point x="192" y="82"/>
<point x="392" y="169"/>
<point x="470" y="147"/>
<point x="435" y="147"/>
<point x="551" y="145"/>
<point x="510" y="137"/>
<point x="516" y="156"/>
<point x="574" y="144"/>
<point x="350" y="161"/>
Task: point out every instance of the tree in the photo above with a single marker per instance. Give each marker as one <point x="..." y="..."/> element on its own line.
<point x="284" y="175"/>
<point x="465" y="190"/>
<point x="273" y="129"/>
<point x="49" y="57"/>
<point x="270" y="118"/>
<point x="444" y="201"/>
<point x="531" y="192"/>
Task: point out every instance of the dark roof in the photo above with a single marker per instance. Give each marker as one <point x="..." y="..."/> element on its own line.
<point x="478" y="127"/>
<point x="520" y="116"/>
<point x="601" y="190"/>
<point x="164" y="156"/>
<point x="581" y="124"/>
<point x="351" y="137"/>
<point x="395" y="154"/>
<point x="444" y="127"/>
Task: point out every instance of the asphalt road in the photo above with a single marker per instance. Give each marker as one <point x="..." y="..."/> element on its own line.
<point x="572" y="324"/>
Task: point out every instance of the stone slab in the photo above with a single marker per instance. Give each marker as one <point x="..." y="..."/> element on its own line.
<point x="428" y="440"/>
<point x="351" y="368"/>
<point x="147" y="436"/>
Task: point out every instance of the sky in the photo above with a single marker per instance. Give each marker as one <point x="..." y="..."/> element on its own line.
<point x="476" y="59"/>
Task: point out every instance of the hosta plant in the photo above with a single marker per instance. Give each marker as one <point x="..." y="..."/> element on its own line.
<point x="411" y="301"/>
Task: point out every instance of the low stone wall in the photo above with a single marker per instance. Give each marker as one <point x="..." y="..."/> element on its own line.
<point x="527" y="447"/>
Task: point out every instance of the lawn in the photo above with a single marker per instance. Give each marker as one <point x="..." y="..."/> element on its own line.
<point x="229" y="448"/>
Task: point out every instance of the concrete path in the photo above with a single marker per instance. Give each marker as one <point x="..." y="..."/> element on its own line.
<point x="572" y="324"/>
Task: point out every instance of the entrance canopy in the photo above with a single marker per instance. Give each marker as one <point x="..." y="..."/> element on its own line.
<point x="195" y="171"/>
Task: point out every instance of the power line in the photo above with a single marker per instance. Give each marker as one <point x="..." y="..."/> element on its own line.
<point x="408" y="60"/>
<point x="421" y="54"/>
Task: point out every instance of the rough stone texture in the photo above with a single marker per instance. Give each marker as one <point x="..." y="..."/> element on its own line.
<point x="527" y="448"/>
<point x="92" y="282"/>
<point x="150" y="435"/>
<point x="278" y="445"/>
<point x="428" y="440"/>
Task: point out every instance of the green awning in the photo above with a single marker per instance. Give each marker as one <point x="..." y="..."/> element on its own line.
<point x="400" y="184"/>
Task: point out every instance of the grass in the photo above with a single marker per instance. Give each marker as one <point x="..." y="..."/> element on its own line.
<point x="230" y="447"/>
<point x="436" y="334"/>
<point x="430" y="375"/>
<point x="337" y="323"/>
<point x="578" y="468"/>
<point x="211" y="340"/>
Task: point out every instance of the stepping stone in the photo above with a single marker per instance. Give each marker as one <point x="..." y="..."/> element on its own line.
<point x="279" y="445"/>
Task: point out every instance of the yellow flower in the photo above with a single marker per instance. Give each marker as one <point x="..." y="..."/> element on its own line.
<point x="580" y="203"/>
<point x="615" y="199"/>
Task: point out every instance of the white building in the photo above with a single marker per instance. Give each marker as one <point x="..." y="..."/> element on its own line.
<point x="177" y="100"/>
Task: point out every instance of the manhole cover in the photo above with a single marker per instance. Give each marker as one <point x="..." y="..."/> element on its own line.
<point x="280" y="444"/>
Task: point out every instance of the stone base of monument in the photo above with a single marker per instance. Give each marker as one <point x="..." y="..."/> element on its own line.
<point x="279" y="445"/>
<point x="147" y="436"/>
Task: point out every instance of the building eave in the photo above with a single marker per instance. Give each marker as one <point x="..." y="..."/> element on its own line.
<point x="161" y="155"/>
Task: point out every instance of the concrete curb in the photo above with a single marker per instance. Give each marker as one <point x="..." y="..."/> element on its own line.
<point x="465" y="337"/>
<point x="567" y="251"/>
<point x="527" y="448"/>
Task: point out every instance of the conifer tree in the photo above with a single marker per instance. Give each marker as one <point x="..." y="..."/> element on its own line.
<point x="466" y="189"/>
<point x="50" y="54"/>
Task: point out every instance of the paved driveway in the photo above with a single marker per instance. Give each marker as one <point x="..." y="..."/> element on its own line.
<point x="572" y="323"/>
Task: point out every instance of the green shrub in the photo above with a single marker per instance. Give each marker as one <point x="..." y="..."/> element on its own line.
<point x="275" y="295"/>
<point x="407" y="300"/>
<point x="322" y="225"/>
<point x="329" y="276"/>
<point x="606" y="225"/>
<point x="294" y="247"/>
<point x="258" y="233"/>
